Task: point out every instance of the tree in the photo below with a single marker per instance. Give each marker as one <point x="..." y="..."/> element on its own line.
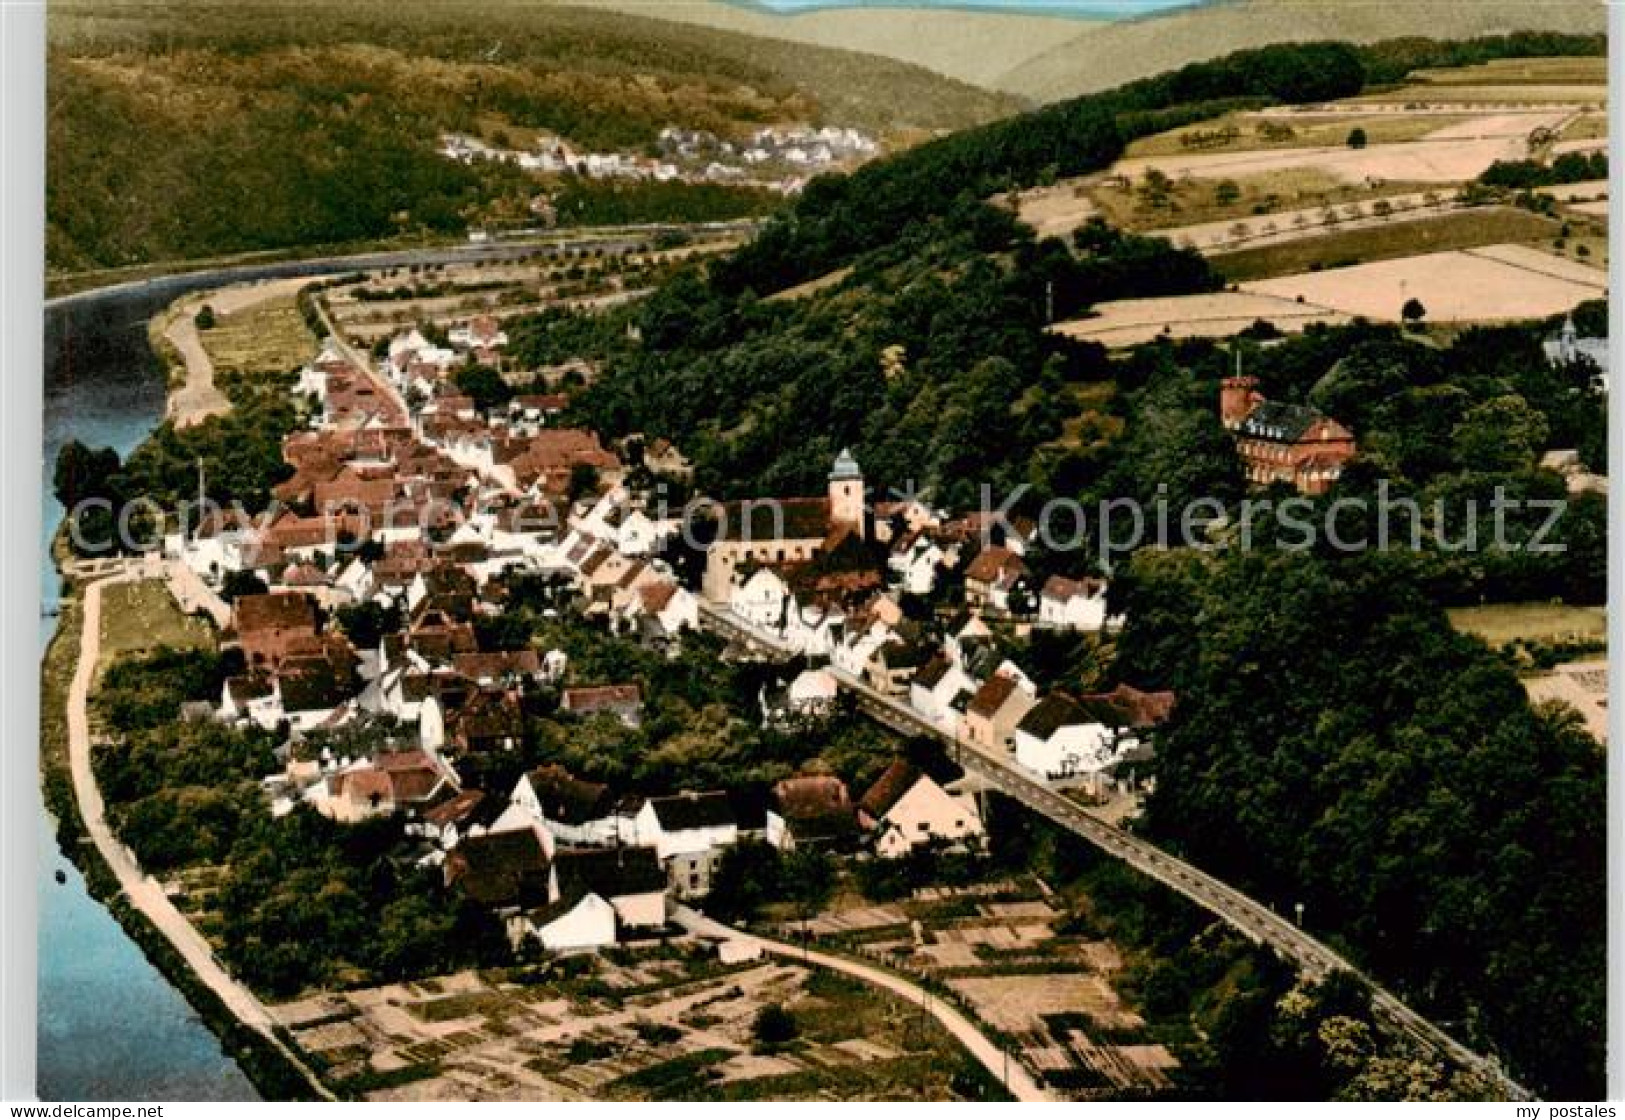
<point x="775" y="1025"/>
<point x="204" y="319"/>
<point x="83" y="473"/>
<point x="1502" y="434"/>
<point x="748" y="876"/>
<point x="809" y="878"/>
<point x="1413" y="312"/>
<point x="366" y="623"/>
<point x="1357" y="138"/>
<point x="237" y="584"/>
<point x="1226" y="193"/>
<point x="484" y="386"/>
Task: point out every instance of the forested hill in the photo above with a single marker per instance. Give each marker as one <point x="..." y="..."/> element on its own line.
<point x="190" y="129"/>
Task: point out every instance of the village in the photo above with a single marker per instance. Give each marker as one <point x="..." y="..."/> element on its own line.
<point x="404" y="496"/>
<point x="774" y="159"/>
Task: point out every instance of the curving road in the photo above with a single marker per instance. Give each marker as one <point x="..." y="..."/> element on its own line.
<point x="144" y="892"/>
<point x="1250" y="917"/>
<point x="1012" y="1074"/>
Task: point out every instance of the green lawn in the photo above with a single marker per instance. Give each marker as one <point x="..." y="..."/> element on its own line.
<point x="142" y="616"/>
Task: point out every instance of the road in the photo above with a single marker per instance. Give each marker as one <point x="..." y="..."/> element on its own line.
<point x="144" y="892"/>
<point x="1252" y="918"/>
<point x="205" y="274"/>
<point x="363" y="363"/>
<point x="1012" y="1074"/>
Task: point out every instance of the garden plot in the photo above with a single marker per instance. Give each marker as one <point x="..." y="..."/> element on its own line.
<point x="1051" y="993"/>
<point x="1498" y="283"/>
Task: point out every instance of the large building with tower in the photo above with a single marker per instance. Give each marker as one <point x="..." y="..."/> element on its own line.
<point x="777" y="531"/>
<point x="1280" y="442"/>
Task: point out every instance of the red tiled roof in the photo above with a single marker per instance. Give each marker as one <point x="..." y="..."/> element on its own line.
<point x="279" y="610"/>
<point x="992" y="695"/>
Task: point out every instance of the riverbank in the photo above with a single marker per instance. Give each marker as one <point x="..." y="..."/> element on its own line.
<point x="260" y="1057"/>
<point x="194" y="395"/>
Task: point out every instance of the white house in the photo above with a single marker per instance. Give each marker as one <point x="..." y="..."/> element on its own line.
<point x="762" y="599"/>
<point x="574" y="925"/>
<point x="1062" y="737"/>
<point x="573" y="810"/>
<point x="1074" y="604"/>
<point x="688" y="832"/>
<point x="917" y="564"/>
<point x="939" y="691"/>
<point x="905" y="809"/>
<point x="813" y="628"/>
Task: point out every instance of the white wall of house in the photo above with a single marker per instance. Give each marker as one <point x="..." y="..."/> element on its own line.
<point x="1078" y="612"/>
<point x="431" y="725"/>
<point x="936" y="703"/>
<point x="603" y="831"/>
<point x="688" y="841"/>
<point x="812" y="630"/>
<point x="589" y="925"/>
<point x="760" y="600"/>
<point x="641" y="911"/>
<point x="926" y="812"/>
<point x="1079" y="749"/>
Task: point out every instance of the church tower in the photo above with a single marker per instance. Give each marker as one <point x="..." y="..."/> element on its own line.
<point x="846" y="493"/>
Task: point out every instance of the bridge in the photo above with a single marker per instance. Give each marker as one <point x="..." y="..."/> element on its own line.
<point x="1251" y="918"/>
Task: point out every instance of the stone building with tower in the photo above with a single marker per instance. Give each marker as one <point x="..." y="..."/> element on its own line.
<point x="1279" y="442"/>
<point x="778" y="531"/>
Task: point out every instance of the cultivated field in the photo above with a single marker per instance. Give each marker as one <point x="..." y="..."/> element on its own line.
<point x="258" y="329"/>
<point x="1295" y="127"/>
<point x="141" y="616"/>
<point x="385" y="303"/>
<point x="1375" y="239"/>
<point x="1154" y="206"/>
<point x="1053" y="211"/>
<point x="1127" y="323"/>
<point x="999" y="949"/>
<point x="1279" y="226"/>
<point x="1498" y="283"/>
<point x="1453" y="153"/>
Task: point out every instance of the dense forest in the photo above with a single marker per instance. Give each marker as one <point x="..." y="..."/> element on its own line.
<point x="1337" y="745"/>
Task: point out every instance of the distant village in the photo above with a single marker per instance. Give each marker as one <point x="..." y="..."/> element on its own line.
<point x="776" y="159"/>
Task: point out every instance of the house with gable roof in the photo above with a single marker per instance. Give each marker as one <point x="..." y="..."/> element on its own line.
<point x="905" y="809"/>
